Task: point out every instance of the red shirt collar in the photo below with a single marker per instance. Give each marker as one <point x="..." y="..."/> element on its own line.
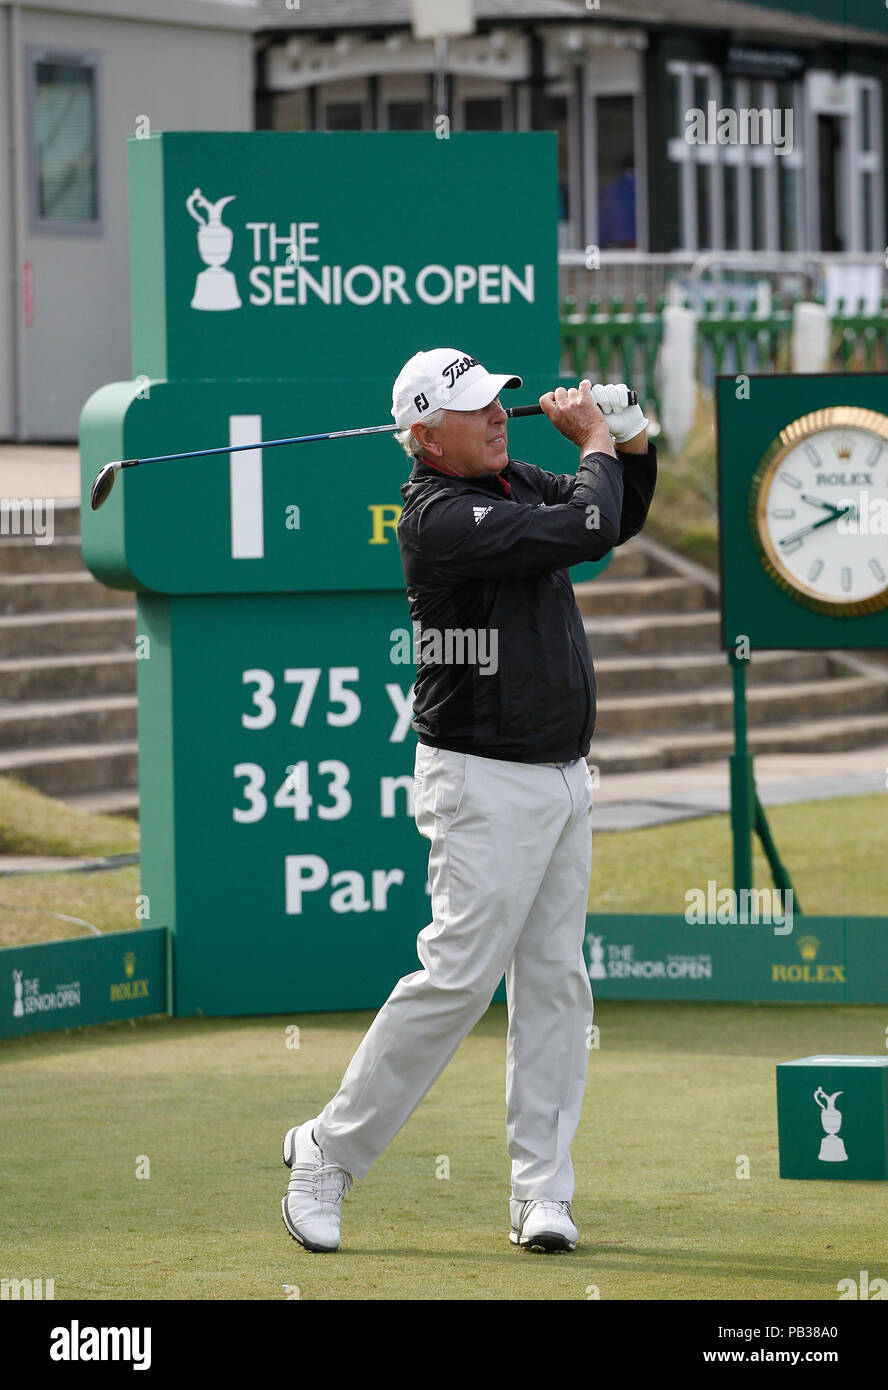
<point x="504" y="482"/>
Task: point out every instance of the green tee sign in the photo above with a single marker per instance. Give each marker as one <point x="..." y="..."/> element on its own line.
<point x="271" y="255"/>
<point x="275" y="666"/>
<point x="832" y="1115"/>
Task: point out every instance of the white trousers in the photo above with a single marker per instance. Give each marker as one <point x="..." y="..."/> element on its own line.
<point x="509" y="872"/>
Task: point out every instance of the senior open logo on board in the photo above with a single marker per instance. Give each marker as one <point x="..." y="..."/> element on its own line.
<point x="29" y="998"/>
<point x="288" y="269"/>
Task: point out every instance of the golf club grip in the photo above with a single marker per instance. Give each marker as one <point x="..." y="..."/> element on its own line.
<point x="516" y="410"/>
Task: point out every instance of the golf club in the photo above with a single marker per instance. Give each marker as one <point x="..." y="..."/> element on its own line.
<point x="104" y="479"/>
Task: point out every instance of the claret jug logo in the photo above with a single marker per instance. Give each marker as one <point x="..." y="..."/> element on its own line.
<point x="18" y="1007"/>
<point x="216" y="288"/>
<point x="832" y="1147"/>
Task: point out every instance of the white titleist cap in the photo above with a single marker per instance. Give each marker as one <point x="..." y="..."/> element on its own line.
<point x="443" y="379"/>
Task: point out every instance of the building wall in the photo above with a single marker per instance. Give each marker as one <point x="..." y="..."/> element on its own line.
<point x="181" y="78"/>
<point x="7" y="293"/>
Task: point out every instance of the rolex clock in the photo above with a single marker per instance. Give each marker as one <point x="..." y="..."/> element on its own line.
<point x="819" y="510"/>
<point x="803" y="500"/>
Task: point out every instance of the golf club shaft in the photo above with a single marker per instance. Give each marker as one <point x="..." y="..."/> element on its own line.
<point x="512" y="411"/>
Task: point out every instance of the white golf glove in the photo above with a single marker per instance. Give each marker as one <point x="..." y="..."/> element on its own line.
<point x="624" y="421"/>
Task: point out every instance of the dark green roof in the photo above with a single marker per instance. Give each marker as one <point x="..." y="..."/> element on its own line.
<point x="747" y="21"/>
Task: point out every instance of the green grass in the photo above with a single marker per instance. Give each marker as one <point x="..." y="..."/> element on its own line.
<point x="651" y="870"/>
<point x="632" y="871"/>
<point x="684" y="512"/>
<point x="676" y="1093"/>
<point x="106" y="900"/>
<point x="31" y="823"/>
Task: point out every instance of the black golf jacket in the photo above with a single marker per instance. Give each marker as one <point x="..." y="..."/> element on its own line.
<point x="486" y="563"/>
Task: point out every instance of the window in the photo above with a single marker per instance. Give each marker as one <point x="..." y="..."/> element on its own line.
<point x="483" y="113"/>
<point x="700" y="211"/>
<point x="557" y="121"/>
<point x="345" y="115"/>
<point x="289" y="111"/>
<point x="406" y="115"/>
<point x="616" y="171"/>
<point x="735" y="192"/>
<point x="869" y="164"/>
<point x="64" y="141"/>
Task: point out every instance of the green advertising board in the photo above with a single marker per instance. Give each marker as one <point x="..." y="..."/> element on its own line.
<point x="292" y="256"/>
<point x="745" y="955"/>
<point x="89" y="979"/>
<point x="275" y="667"/>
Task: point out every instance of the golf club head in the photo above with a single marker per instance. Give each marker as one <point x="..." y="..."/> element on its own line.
<point x="104" y="482"/>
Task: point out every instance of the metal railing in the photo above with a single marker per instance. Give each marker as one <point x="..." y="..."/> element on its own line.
<point x="739" y="341"/>
<point x="612" y="343"/>
<point x="627" y="275"/>
<point x="859" y="342"/>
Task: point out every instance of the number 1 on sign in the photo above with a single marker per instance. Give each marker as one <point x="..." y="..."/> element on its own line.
<point x="247" y="530"/>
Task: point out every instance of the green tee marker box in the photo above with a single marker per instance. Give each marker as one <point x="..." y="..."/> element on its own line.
<point x="278" y="843"/>
<point x="832" y="1117"/>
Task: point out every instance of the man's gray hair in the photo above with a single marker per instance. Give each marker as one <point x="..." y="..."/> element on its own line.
<point x="409" y="443"/>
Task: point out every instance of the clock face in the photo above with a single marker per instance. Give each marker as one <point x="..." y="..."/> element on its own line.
<point x="819" y="510"/>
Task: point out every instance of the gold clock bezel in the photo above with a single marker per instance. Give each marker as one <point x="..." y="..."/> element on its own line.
<point x="805" y="427"/>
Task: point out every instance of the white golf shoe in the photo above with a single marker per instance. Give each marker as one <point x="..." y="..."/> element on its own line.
<point x="542" y="1226"/>
<point x="314" y="1193"/>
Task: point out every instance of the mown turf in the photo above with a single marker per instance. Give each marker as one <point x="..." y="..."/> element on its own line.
<point x="676" y="1093"/>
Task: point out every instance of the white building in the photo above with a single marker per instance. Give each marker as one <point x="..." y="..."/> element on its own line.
<point x="78" y="78"/>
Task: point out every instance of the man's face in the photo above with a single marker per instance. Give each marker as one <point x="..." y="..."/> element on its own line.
<point x="471" y="443"/>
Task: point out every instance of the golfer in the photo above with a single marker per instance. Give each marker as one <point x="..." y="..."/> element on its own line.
<point x="502" y="791"/>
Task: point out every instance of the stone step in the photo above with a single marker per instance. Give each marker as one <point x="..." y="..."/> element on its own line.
<point x="684" y="749"/>
<point x="51" y="593"/>
<point x="66" y="517"/>
<point x="766" y="706"/>
<point x="70" y="769"/>
<point x="51" y="515"/>
<point x="36" y="723"/>
<point x="634" y="561"/>
<point x="671" y="632"/>
<point x="64" y="634"/>
<point x="42" y="677"/>
<point x="636" y="675"/>
<point x="667" y="594"/>
<point x="122" y="802"/>
<point x="23" y="555"/>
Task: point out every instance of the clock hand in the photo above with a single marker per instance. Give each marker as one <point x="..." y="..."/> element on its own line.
<point x="816" y="502"/>
<point x="797" y="535"/>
